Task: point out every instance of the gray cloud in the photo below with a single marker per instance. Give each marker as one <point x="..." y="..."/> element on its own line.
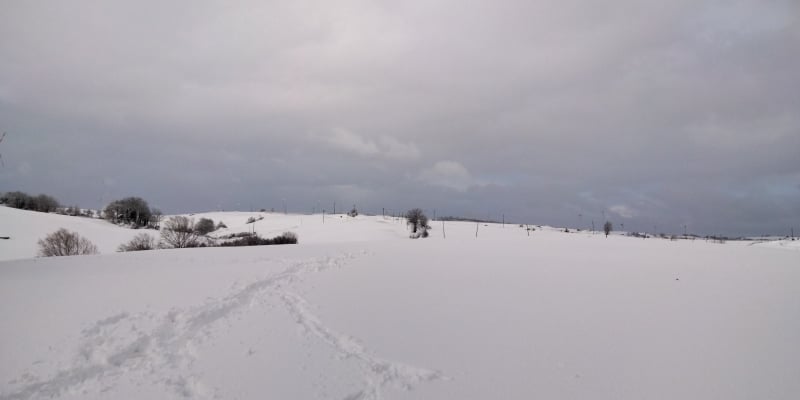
<point x="655" y="113"/>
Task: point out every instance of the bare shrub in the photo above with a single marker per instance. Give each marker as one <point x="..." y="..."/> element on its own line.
<point x="285" y="238"/>
<point x="65" y="243"/>
<point x="204" y="226"/>
<point x="142" y="241"/>
<point x="179" y="232"/>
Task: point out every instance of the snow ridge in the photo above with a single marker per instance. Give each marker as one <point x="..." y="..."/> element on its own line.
<point x="162" y="349"/>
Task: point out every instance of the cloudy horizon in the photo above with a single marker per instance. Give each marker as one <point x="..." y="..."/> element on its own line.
<point x="650" y="114"/>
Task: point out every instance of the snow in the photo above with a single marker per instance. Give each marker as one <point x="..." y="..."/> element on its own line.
<point x="25" y="228"/>
<point x="359" y="311"/>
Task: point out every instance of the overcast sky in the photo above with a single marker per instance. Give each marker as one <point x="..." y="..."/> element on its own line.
<point x="652" y="113"/>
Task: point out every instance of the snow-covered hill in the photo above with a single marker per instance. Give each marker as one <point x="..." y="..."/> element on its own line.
<point x="25" y="228"/>
<point x="359" y="311"/>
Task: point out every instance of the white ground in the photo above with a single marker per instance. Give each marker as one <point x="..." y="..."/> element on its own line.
<point x="358" y="311"/>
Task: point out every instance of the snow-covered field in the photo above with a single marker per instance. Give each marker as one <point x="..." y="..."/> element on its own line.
<point x="358" y="311"/>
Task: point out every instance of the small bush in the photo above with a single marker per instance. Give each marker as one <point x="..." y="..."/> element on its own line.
<point x="140" y="242"/>
<point x="65" y="243"/>
<point x="221" y="225"/>
<point x="285" y="238"/>
<point x="204" y="226"/>
<point x="353" y="213"/>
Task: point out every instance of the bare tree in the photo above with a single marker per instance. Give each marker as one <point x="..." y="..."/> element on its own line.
<point x="142" y="241"/>
<point x="65" y="243"/>
<point x="418" y="221"/>
<point x="155" y="218"/>
<point x="179" y="232"/>
<point x="607" y="227"/>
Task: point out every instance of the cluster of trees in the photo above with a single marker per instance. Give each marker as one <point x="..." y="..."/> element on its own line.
<point x="133" y="211"/>
<point x="24" y="201"/>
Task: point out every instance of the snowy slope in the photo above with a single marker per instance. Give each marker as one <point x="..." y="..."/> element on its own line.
<point x="786" y="244"/>
<point x="26" y="227"/>
<point x="504" y="315"/>
<point x="310" y="228"/>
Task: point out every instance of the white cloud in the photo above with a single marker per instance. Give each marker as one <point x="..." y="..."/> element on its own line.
<point x="623" y="211"/>
<point x="449" y="174"/>
<point x="343" y="139"/>
<point x="392" y="148"/>
<point x="386" y="147"/>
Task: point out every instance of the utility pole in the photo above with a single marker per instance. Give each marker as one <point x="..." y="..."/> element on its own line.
<point x="323" y="216"/>
<point x="334" y="208"/>
<point x="504" y="220"/>
<point x="477" y="224"/>
<point x="443" y="235"/>
<point x="684" y="231"/>
<point x="1" y="156"/>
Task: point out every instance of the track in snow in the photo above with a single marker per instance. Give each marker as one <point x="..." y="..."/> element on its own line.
<point x="162" y="349"/>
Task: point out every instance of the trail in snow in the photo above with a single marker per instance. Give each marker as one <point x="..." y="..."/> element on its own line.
<point x="122" y="345"/>
<point x="377" y="372"/>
